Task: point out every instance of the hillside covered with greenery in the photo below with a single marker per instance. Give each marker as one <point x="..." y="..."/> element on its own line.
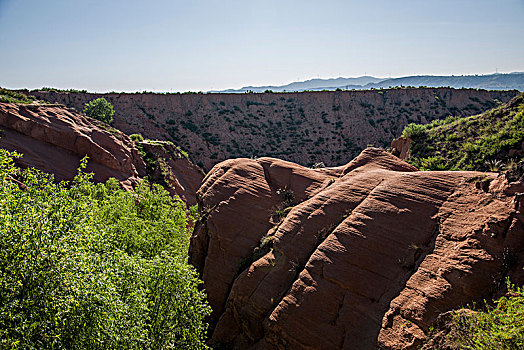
<point x="496" y="325"/>
<point x="10" y="96"/>
<point x="330" y="127"/>
<point x="91" y="266"/>
<point x="480" y="142"/>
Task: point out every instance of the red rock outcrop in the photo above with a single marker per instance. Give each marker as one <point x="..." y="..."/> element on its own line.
<point x="54" y="139"/>
<point x="361" y="256"/>
<point x="305" y="127"/>
<point x="400" y="147"/>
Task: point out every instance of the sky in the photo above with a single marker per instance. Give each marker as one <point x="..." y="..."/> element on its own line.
<point x="202" y="45"/>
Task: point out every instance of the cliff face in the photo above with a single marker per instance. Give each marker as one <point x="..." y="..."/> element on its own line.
<point x="54" y="139"/>
<point x="362" y="256"/>
<point x="307" y="128"/>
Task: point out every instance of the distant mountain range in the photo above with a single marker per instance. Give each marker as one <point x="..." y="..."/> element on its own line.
<point x="510" y="81"/>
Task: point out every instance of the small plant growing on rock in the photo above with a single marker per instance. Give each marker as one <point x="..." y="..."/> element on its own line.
<point x="282" y="209"/>
<point x="494" y="165"/>
<point x="511" y="164"/>
<point x="288" y="195"/>
<point x="136" y="137"/>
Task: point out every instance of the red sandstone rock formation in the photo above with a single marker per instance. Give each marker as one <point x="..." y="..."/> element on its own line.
<point x="174" y="170"/>
<point x="306" y="127"/>
<point x="361" y="256"/>
<point x="54" y="139"/>
<point x="400" y="147"/>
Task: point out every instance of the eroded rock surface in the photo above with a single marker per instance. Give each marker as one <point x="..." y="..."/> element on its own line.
<point x="54" y="139"/>
<point x="400" y="147"/>
<point x="362" y="256"/>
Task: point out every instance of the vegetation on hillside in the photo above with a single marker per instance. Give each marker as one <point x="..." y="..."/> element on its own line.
<point x="11" y="96"/>
<point x="91" y="266"/>
<point x="497" y="326"/>
<point x="306" y="128"/>
<point x="100" y="109"/>
<point x="50" y="89"/>
<point x="480" y="142"/>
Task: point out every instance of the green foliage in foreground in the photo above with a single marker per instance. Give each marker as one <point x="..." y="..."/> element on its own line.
<point x="100" y="109"/>
<point x="498" y="327"/>
<point x="10" y="96"/>
<point x="480" y="142"/>
<point x="88" y="266"/>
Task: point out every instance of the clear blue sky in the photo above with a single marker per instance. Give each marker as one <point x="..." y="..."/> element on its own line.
<point x="161" y="45"/>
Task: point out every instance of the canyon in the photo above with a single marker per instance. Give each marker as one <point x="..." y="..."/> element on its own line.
<point x="359" y="255"/>
<point x="328" y="127"/>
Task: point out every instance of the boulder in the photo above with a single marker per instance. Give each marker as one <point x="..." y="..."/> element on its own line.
<point x="400" y="147"/>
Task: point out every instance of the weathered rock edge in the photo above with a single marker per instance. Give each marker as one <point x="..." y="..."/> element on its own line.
<point x="53" y="139"/>
<point x="367" y="255"/>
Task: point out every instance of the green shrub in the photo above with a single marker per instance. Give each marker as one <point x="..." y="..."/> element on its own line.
<point x="136" y="137"/>
<point x="472" y="143"/>
<point x="496" y="327"/>
<point x="432" y="163"/>
<point x="85" y="266"/>
<point x="100" y="109"/>
<point x="414" y="131"/>
<point x="11" y="96"/>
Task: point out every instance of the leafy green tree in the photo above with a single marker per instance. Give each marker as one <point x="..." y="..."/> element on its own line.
<point x="100" y="109"/>
<point x="91" y="266"/>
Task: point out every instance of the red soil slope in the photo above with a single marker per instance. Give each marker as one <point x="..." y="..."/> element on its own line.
<point x="309" y="127"/>
<point x="361" y="256"/>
